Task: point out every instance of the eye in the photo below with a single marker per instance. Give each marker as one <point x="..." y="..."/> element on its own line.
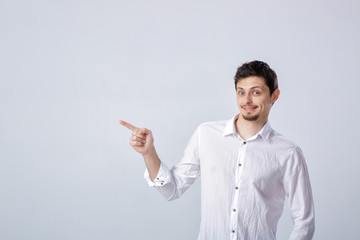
<point x="241" y="93"/>
<point x="256" y="92"/>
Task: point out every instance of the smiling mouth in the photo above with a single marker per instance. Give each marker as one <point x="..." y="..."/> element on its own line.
<point x="249" y="108"/>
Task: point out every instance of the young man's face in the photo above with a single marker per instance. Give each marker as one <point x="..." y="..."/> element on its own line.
<point x="253" y="98"/>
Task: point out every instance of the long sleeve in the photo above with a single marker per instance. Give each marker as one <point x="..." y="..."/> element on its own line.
<point x="172" y="183"/>
<point x="243" y="183"/>
<point x="298" y="189"/>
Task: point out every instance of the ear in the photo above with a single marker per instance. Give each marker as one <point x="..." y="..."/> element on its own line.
<point x="275" y="95"/>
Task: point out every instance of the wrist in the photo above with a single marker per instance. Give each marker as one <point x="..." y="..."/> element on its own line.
<point x="151" y="153"/>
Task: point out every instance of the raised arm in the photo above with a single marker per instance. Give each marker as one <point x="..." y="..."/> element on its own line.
<point x="143" y="142"/>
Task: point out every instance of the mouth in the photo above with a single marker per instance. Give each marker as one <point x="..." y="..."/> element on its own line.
<point x="249" y="108"/>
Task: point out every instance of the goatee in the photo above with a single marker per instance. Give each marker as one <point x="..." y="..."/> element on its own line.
<point x="251" y="118"/>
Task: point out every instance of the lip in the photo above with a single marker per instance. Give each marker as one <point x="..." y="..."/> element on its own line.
<point x="249" y="108"/>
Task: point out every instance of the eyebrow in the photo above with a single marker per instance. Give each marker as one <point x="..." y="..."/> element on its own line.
<point x="250" y="88"/>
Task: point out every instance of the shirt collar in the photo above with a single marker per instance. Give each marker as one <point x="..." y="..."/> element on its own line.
<point x="265" y="131"/>
<point x="230" y="128"/>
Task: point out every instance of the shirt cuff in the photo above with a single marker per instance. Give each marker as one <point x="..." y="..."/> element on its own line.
<point x="162" y="177"/>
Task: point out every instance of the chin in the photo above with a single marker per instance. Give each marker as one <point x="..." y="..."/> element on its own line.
<point x="250" y="118"/>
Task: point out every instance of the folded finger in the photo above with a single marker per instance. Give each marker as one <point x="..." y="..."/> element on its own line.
<point x="139" y="139"/>
<point x="139" y="135"/>
<point x="144" y="131"/>
<point x="136" y="143"/>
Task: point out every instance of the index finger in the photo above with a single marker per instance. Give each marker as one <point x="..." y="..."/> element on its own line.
<point x="127" y="125"/>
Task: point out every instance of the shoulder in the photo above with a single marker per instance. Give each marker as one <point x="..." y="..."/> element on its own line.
<point x="221" y="123"/>
<point x="290" y="154"/>
<point x="278" y="140"/>
<point x="213" y="125"/>
<point x="211" y="128"/>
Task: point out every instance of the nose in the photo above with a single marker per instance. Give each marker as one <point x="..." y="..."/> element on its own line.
<point x="248" y="99"/>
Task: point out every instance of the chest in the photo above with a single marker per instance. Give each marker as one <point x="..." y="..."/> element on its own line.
<point x="231" y="162"/>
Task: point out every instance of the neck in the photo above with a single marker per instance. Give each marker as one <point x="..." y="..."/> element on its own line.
<point x="246" y="129"/>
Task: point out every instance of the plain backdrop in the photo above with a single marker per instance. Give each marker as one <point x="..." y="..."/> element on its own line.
<point x="70" y="70"/>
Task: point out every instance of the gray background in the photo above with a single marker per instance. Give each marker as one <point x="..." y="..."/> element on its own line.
<point x="69" y="70"/>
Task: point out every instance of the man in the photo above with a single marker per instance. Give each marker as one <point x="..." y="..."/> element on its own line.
<point x="247" y="169"/>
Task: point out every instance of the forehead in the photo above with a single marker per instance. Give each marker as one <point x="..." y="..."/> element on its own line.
<point x="250" y="82"/>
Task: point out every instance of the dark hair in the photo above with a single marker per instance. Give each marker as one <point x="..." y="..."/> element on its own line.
<point x="259" y="69"/>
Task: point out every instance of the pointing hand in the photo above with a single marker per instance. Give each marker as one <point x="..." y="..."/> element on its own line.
<point x="141" y="140"/>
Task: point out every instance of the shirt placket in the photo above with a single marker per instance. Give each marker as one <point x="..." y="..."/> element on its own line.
<point x="238" y="173"/>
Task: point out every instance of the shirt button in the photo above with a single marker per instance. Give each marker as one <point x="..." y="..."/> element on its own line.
<point x="233" y="231"/>
<point x="245" y="142"/>
<point x="239" y="164"/>
<point x="236" y="188"/>
<point x="234" y="210"/>
<point x="157" y="178"/>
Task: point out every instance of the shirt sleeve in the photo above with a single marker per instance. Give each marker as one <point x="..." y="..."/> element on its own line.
<point x="298" y="189"/>
<point x="172" y="183"/>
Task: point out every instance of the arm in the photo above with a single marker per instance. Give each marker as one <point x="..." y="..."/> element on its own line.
<point x="171" y="183"/>
<point x="298" y="188"/>
<point x="143" y="142"/>
<point x="181" y="176"/>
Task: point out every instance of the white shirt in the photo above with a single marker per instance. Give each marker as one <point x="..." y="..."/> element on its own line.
<point x="243" y="183"/>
